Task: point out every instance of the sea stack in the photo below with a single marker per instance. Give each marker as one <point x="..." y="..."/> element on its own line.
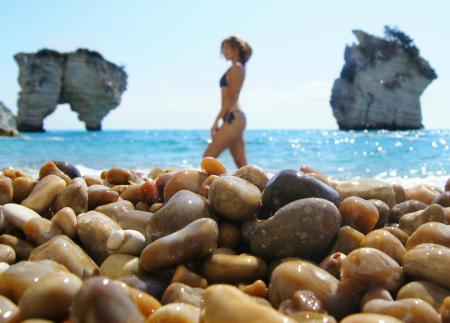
<point x="381" y="83"/>
<point x="91" y="85"/>
<point x="7" y="122"/>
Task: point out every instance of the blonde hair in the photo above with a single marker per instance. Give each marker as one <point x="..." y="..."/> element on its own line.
<point x="236" y="42"/>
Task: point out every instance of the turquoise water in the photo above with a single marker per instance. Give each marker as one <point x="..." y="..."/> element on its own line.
<point x="343" y="155"/>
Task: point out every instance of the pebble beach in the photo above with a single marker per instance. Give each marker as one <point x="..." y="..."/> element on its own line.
<point x="209" y="244"/>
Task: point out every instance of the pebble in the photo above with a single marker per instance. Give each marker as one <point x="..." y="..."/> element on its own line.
<point x="289" y="185"/>
<point x="44" y="193"/>
<point x="195" y="240"/>
<point x="235" y="198"/>
<point x="304" y="228"/>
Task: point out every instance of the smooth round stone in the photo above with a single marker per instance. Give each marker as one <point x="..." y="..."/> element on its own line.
<point x="367" y="189"/>
<point x="184" y="275"/>
<point x="94" y="230"/>
<point x="431" y="293"/>
<point x="400" y="193"/>
<point x="254" y="175"/>
<point x="229" y="235"/>
<point x="447" y="185"/>
<point x="66" y="220"/>
<point x="398" y="233"/>
<point x="115" y="210"/>
<point x="50" y="297"/>
<point x="182" y="293"/>
<point x="301" y="301"/>
<point x="386" y="242"/>
<point x="103" y="300"/>
<point x="44" y="193"/>
<point x="3" y="267"/>
<point x="430" y="262"/>
<point x="289" y="185"/>
<point x="348" y="239"/>
<point x="422" y="192"/>
<point x="119" y="265"/>
<point x="100" y="195"/>
<point x="375" y="293"/>
<point x="176" y="313"/>
<point x="152" y="285"/>
<point x="233" y="269"/>
<point x="20" y="276"/>
<point x="235" y="198"/>
<point x="17" y="215"/>
<point x="8" y="310"/>
<point x="444" y="310"/>
<point x="40" y="230"/>
<point x="442" y="199"/>
<point x="212" y="166"/>
<point x="133" y="220"/>
<point x="118" y="176"/>
<point x="291" y="276"/>
<point x="367" y="268"/>
<point x="21" y="247"/>
<point x="7" y="254"/>
<point x="129" y="242"/>
<point x="195" y="240"/>
<point x="190" y="180"/>
<point x="304" y="228"/>
<point x="6" y="190"/>
<point x="150" y="193"/>
<point x="359" y="214"/>
<point x="406" y="310"/>
<point x="204" y="189"/>
<point x="51" y="169"/>
<point x="333" y="263"/>
<point x="312" y="317"/>
<point x="133" y="193"/>
<point x="183" y="208"/>
<point x="431" y="232"/>
<point x="91" y="180"/>
<point x="405" y="207"/>
<point x="258" y="289"/>
<point x="22" y="187"/>
<point x="383" y="213"/>
<point x="411" y="221"/>
<point x="161" y="182"/>
<point x="231" y="305"/>
<point x="63" y="250"/>
<point x="68" y="169"/>
<point x="74" y="196"/>
<point x="370" y="318"/>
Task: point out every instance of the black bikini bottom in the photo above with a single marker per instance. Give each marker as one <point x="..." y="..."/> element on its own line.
<point x="229" y="116"/>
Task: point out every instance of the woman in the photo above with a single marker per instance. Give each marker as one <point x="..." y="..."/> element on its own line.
<point x="230" y="133"/>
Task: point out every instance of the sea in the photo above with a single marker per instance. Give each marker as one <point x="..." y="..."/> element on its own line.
<point x="405" y="157"/>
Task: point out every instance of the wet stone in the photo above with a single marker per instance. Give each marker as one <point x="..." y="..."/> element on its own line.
<point x="304" y="228"/>
<point x="234" y="198"/>
<point x="289" y="185"/>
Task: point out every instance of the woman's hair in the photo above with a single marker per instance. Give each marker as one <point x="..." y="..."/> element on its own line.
<point x="236" y="42"/>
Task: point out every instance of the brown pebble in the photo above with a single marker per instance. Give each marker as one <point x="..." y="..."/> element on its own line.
<point x="51" y="168"/>
<point x="375" y="293"/>
<point x="332" y="263"/>
<point x="182" y="293"/>
<point x="6" y="190"/>
<point x="383" y="213"/>
<point x="40" y="230"/>
<point x="118" y="176"/>
<point x="212" y="166"/>
<point x="398" y="233"/>
<point x="22" y="187"/>
<point x="229" y="235"/>
<point x="431" y="293"/>
<point x="302" y="300"/>
<point x="358" y="213"/>
<point x="386" y="242"/>
<point x="348" y="239"/>
<point x="184" y="275"/>
<point x="258" y="288"/>
<point x="400" y="193"/>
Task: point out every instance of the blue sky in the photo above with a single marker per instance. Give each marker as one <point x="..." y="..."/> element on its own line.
<point x="171" y="53"/>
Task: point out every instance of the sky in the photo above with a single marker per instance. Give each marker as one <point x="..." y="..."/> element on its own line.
<point x="171" y="53"/>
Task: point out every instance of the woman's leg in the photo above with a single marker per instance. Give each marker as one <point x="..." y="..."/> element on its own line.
<point x="237" y="150"/>
<point x="223" y="138"/>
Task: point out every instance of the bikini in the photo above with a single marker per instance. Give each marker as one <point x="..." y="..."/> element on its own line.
<point x="229" y="116"/>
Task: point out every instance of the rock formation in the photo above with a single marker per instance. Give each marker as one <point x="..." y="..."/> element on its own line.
<point x="7" y="122"/>
<point x="84" y="79"/>
<point x="381" y="83"/>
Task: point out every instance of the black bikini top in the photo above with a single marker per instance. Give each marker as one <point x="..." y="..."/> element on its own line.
<point x="223" y="80"/>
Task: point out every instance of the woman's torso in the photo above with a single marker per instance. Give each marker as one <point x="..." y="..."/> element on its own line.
<point x="224" y="87"/>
